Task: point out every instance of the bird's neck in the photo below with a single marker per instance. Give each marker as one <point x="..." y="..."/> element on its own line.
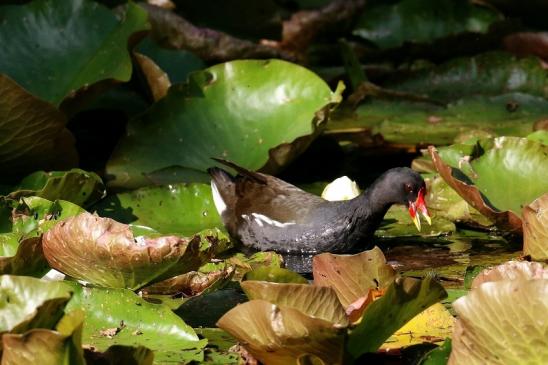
<point x="370" y="205"/>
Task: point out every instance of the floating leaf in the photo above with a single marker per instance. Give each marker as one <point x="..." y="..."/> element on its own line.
<point x="105" y="252"/>
<point x="396" y="223"/>
<point x="482" y="335"/>
<point x="275" y="275"/>
<point x="27" y="303"/>
<point x="32" y="133"/>
<point x="535" y="229"/>
<point x="439" y="355"/>
<point x="192" y="283"/>
<point x="503" y="175"/>
<point x="403" y="300"/>
<point x="61" y="346"/>
<point x="281" y="335"/>
<point x="173" y="209"/>
<point x="352" y="276"/>
<point x="240" y="110"/>
<point x="314" y="301"/>
<point x="82" y="43"/>
<point x="121" y="317"/>
<point x="421" y="21"/>
<point x="511" y="270"/>
<point x="76" y="186"/>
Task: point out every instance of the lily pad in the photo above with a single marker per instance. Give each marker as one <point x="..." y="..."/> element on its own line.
<point x="32" y="134"/>
<point x="275" y="275"/>
<point x="121" y="317"/>
<point x="535" y="229"/>
<point x="118" y="354"/>
<point x="244" y="264"/>
<point x="482" y="336"/>
<point x="61" y="346"/>
<point x="421" y="21"/>
<point x="76" y="186"/>
<point x="240" y="110"/>
<point x="173" y="209"/>
<point x="27" y="303"/>
<point x="492" y="73"/>
<point x="281" y="335"/>
<point x="352" y="276"/>
<point x="502" y="176"/>
<point x="314" y="301"/>
<point x="511" y="270"/>
<point x="81" y="43"/>
<point x="192" y="283"/>
<point x="105" y="252"/>
<point x="403" y="300"/>
<point x="397" y="223"/>
<point x="411" y="123"/>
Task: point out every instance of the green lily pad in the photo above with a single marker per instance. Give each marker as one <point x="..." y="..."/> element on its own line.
<point x="240" y="110"/>
<point x="121" y="317"/>
<point x="352" y="276"/>
<point x="32" y="134"/>
<point x="61" y="346"/>
<point x="118" y="354"/>
<point x="82" y="43"/>
<point x="281" y="335"/>
<point x="397" y="223"/>
<point x="492" y="73"/>
<point x="482" y="336"/>
<point x="244" y="264"/>
<point x="535" y="229"/>
<point x="403" y="300"/>
<point x="104" y="252"/>
<point x="76" y="186"/>
<point x="421" y="21"/>
<point x="439" y="355"/>
<point x="27" y="303"/>
<point x="173" y="209"/>
<point x="405" y="122"/>
<point x="275" y="275"/>
<point x="501" y="176"/>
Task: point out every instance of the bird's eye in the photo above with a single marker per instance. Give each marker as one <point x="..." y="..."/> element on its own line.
<point x="408" y="188"/>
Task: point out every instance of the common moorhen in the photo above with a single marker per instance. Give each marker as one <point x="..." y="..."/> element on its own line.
<point x="267" y="213"/>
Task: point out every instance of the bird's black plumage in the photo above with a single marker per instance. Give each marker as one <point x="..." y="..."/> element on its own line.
<point x="267" y="213"/>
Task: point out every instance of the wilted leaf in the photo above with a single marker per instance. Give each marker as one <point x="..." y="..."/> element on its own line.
<point x="527" y="44"/>
<point x="28" y="260"/>
<point x="275" y="275"/>
<point x="432" y="325"/>
<point x="137" y="323"/>
<point x="421" y="21"/>
<point x="192" y="283"/>
<point x="511" y="270"/>
<point x="173" y="209"/>
<point x="32" y="133"/>
<point x="500" y="177"/>
<point x="281" y="335"/>
<point x="535" y="229"/>
<point x="76" y="186"/>
<point x="105" y="252"/>
<point x="61" y="346"/>
<point x="482" y="335"/>
<point x="341" y="189"/>
<point x="156" y="79"/>
<point x="82" y="43"/>
<point x="403" y="300"/>
<point x="27" y="303"/>
<point x="314" y="301"/>
<point x="352" y="276"/>
<point x="240" y="110"/>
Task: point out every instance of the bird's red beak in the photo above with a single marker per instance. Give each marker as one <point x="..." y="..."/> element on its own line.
<point x="419" y="206"/>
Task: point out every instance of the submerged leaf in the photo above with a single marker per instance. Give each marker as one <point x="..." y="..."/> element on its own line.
<point x="535" y="229"/>
<point x="105" y="252"/>
<point x="240" y="110"/>
<point x="279" y="335"/>
<point x="403" y="300"/>
<point x="482" y="335"/>
<point x="83" y="43"/>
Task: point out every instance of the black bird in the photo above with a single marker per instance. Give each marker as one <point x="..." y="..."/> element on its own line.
<point x="267" y="213"/>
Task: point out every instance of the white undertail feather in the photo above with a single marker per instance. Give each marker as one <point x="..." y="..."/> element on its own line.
<point x="217" y="199"/>
<point x="260" y="219"/>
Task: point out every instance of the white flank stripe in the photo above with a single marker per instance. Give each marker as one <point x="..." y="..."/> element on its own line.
<point x="260" y="219"/>
<point x="217" y="199"/>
